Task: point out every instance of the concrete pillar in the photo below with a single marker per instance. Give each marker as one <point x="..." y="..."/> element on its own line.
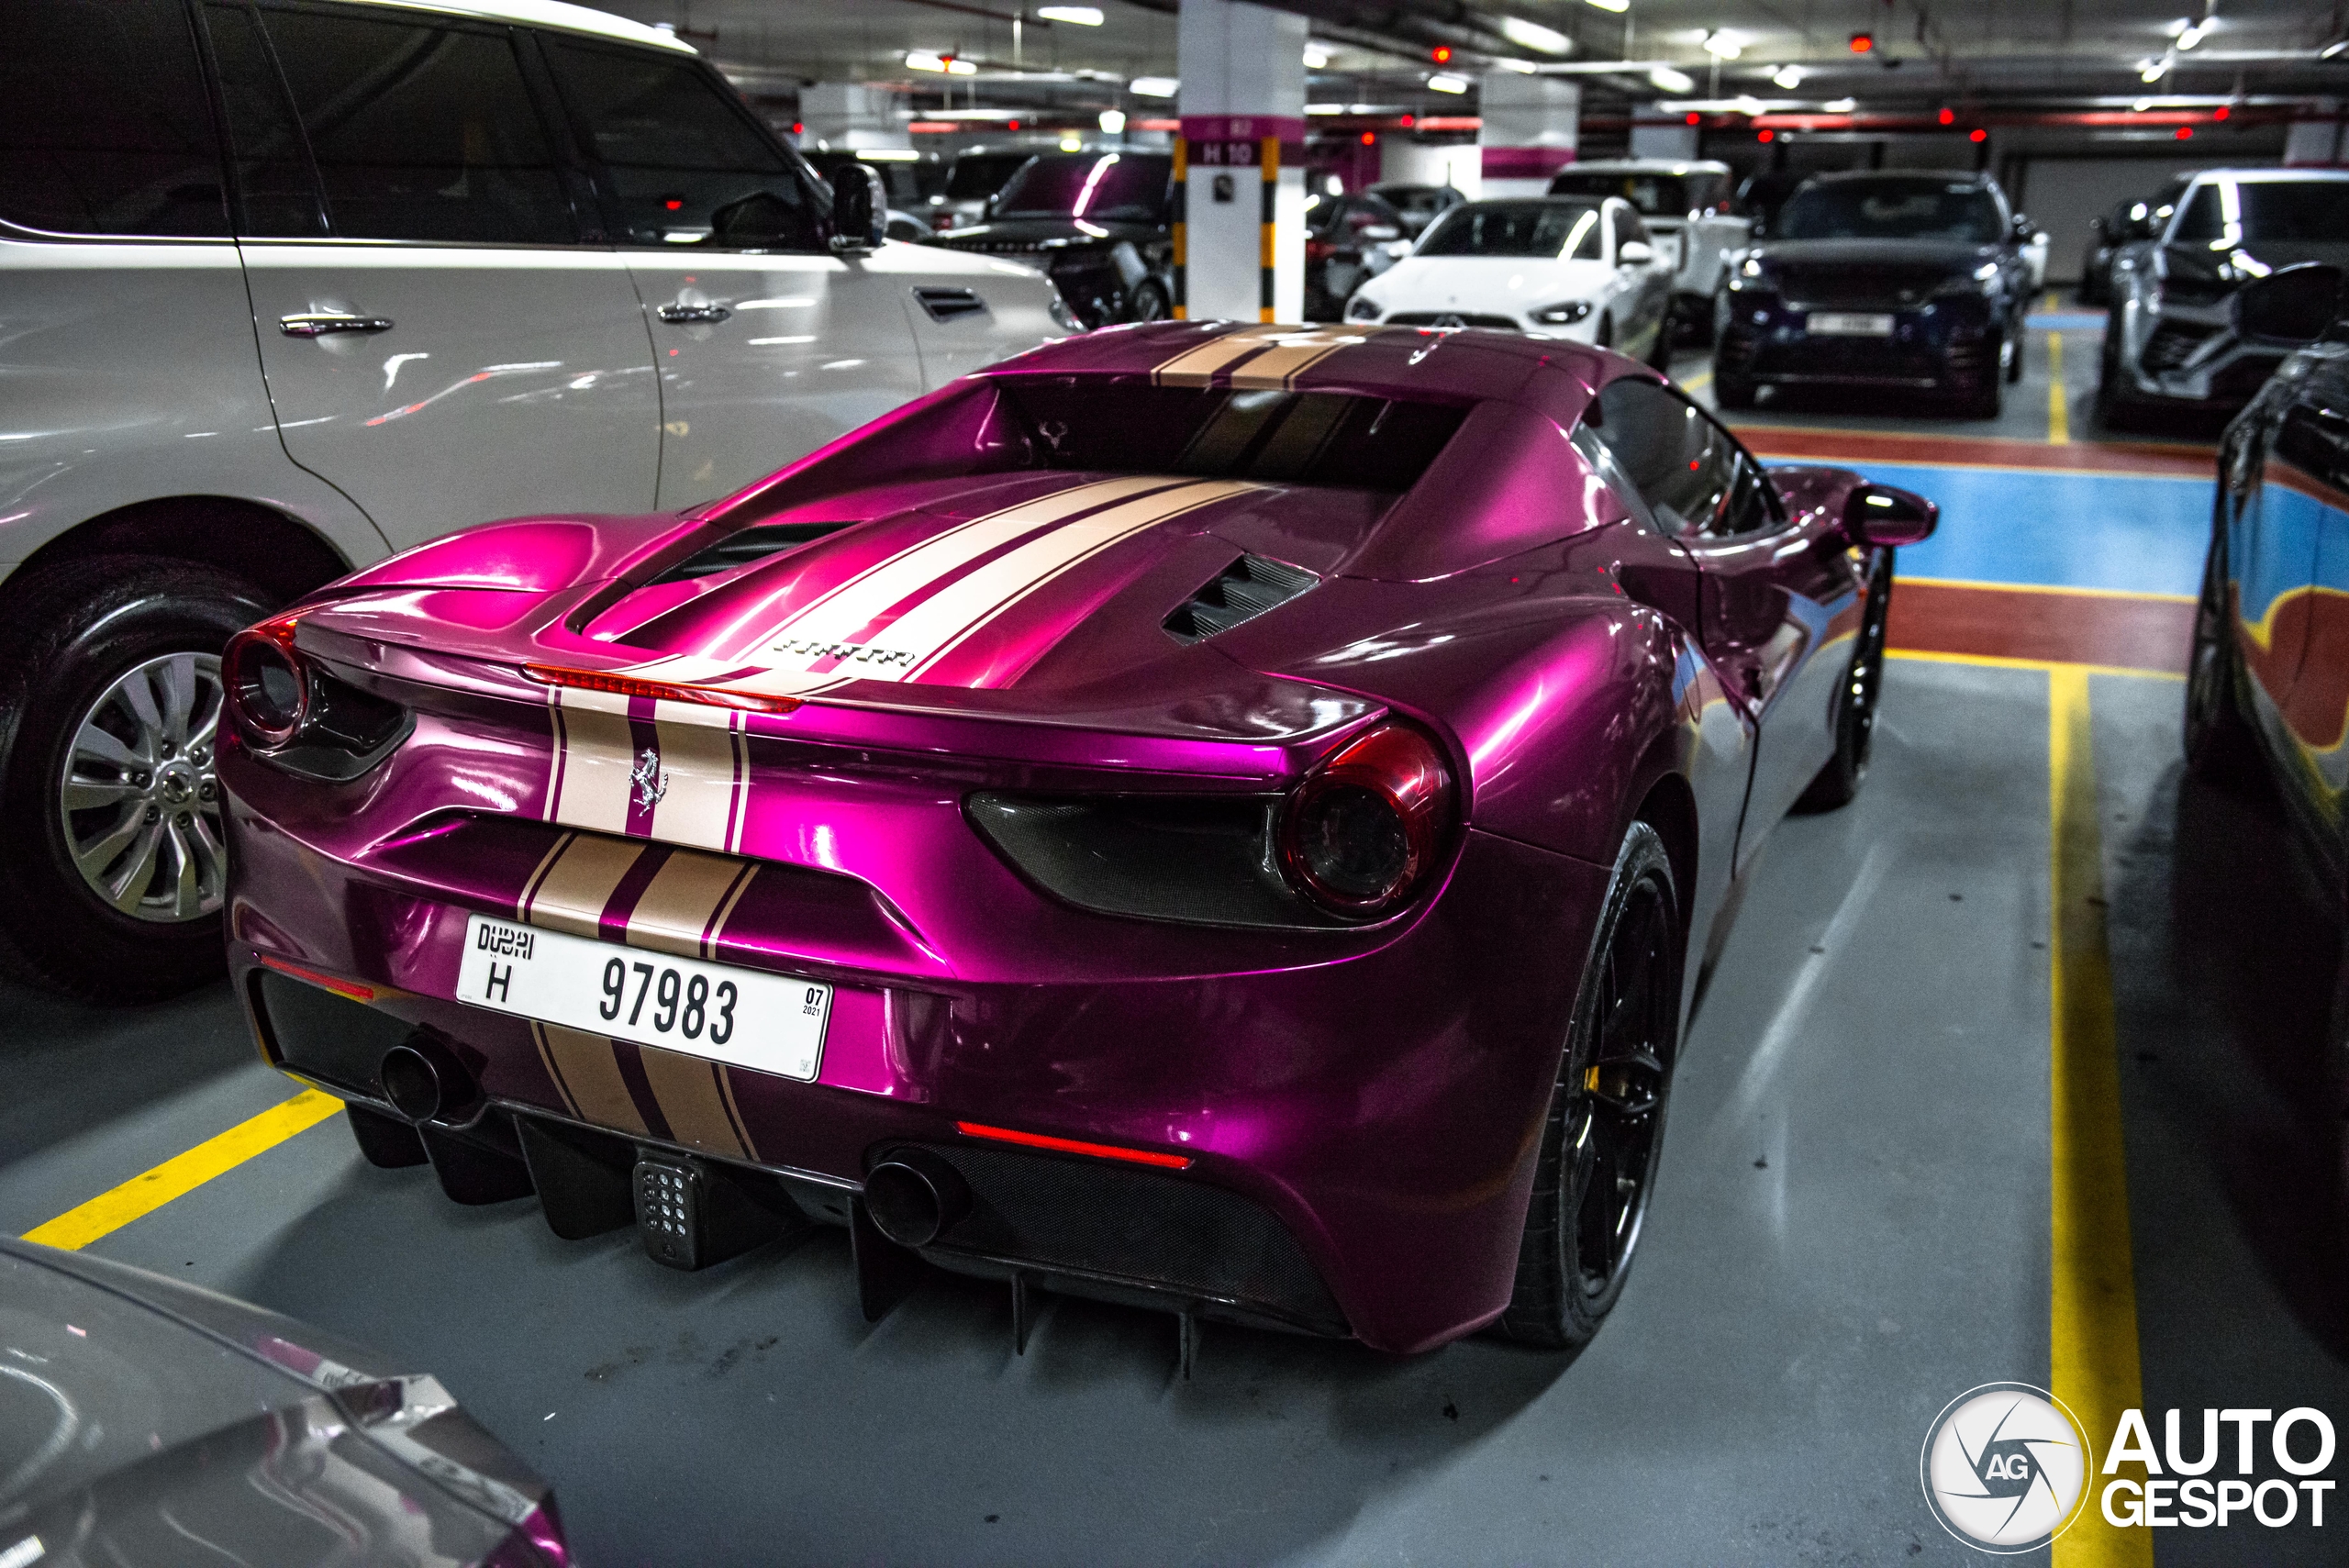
<point x="845" y="113"/>
<point x="1240" y="240"/>
<point x="1529" y="132"/>
<point x="1403" y="162"/>
<point x="1675" y="138"/>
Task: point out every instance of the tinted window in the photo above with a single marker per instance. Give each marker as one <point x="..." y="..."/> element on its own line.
<point x="689" y="166"/>
<point x="1627" y="227"/>
<point x="1656" y="196"/>
<point x="2204" y="218"/>
<point x="1516" y="228"/>
<point x="104" y="127"/>
<point x="1103" y="187"/>
<point x="421" y="131"/>
<point x="1692" y="475"/>
<point x="276" y="193"/>
<point x="1917" y="208"/>
<point x="2295" y="209"/>
<point x="977" y="176"/>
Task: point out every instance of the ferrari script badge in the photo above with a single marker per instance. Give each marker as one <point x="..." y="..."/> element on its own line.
<point x="651" y="782"/>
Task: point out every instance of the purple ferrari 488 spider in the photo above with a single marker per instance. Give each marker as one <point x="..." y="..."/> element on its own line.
<point x="1224" y="818"/>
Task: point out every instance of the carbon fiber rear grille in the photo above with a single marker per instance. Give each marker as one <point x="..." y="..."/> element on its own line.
<point x="1170" y="1235"/>
<point x="1449" y="318"/>
<point x="1880" y="287"/>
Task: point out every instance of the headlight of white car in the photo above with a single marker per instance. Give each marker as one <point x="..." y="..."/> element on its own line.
<point x="1361" y="309"/>
<point x="1564" y="313"/>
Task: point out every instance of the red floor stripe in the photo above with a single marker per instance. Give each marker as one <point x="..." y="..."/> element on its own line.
<point x="2073" y="628"/>
<point x="1859" y="445"/>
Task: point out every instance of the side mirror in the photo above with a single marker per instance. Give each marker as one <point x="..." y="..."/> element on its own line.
<point x="1634" y="253"/>
<point x="2021" y="230"/>
<point x="860" y="209"/>
<point x="1880" y="515"/>
<point x="2294" y="306"/>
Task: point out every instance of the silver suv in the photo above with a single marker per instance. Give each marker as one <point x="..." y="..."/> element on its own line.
<point x="288" y="285"/>
<point x="1690" y="209"/>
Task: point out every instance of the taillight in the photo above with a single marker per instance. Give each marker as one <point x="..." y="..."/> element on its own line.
<point x="1318" y="249"/>
<point x="268" y="686"/>
<point x="1365" y="828"/>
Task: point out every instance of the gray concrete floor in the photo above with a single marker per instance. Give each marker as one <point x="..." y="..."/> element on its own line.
<point x="1852" y="1228"/>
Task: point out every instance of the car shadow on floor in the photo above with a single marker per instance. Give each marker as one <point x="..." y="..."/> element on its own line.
<point x="72" y="1067"/>
<point x="2225" y="952"/>
<point x="769" y="1353"/>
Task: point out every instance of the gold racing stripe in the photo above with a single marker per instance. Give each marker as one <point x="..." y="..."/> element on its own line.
<point x="590" y="1074"/>
<point x="546" y="864"/>
<point x="706" y="775"/>
<point x="741" y="1125"/>
<point x="1196" y="365"/>
<point x="572" y="894"/>
<point x="687" y="1089"/>
<point x="681" y="905"/>
<point x="936" y="628"/>
<point x="1277" y="367"/>
<point x="598" y="750"/>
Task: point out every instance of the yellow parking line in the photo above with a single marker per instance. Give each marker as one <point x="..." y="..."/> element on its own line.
<point x="2093" y="1311"/>
<point x="2059" y="407"/>
<point x="2003" y="661"/>
<point x="1701" y="379"/>
<point x="183" y="1173"/>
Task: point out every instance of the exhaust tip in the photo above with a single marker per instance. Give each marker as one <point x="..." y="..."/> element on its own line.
<point x="914" y="1197"/>
<point x="423" y="1082"/>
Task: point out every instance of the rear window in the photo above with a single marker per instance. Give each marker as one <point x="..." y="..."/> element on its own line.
<point x="1111" y="185"/>
<point x="1302" y="438"/>
<point x="1655" y="195"/>
<point x="2249" y="211"/>
<point x="103" y="128"/>
<point x="975" y="177"/>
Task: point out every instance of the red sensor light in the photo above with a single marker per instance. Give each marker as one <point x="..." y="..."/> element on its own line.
<point x="1863" y="42"/>
<point x="2186" y="133"/>
<point x="1977" y="134"/>
<point x="1768" y="134"/>
<point x="1948" y="117"/>
<point x="1441" y="54"/>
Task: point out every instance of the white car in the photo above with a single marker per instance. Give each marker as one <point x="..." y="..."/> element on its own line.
<point x="1690" y="208"/>
<point x="1562" y="268"/>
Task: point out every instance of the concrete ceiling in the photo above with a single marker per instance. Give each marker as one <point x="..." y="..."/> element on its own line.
<point x="1970" y="53"/>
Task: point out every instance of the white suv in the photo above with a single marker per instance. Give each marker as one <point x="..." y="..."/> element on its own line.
<point x="287" y="285"/>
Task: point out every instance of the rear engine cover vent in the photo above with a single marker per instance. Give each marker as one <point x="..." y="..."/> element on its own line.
<point x="1242" y="591"/>
<point x="951" y="304"/>
<point x="744" y="546"/>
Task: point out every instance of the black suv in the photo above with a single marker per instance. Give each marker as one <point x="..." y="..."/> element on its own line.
<point x="1913" y="279"/>
<point x="1100" y="223"/>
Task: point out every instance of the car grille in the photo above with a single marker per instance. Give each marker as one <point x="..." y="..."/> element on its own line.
<point x="1449" y="318"/>
<point x="1884" y="287"/>
<point x="2174" y="342"/>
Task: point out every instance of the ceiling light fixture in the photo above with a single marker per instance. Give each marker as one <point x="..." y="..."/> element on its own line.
<point x="1670" y="81"/>
<point x="1316" y="57"/>
<point x="2194" y="35"/>
<point x="1618" y="6"/>
<point x="960" y="68"/>
<point x="1155" y="87"/>
<point x="921" y="59"/>
<point x="1722" y="46"/>
<point x="1839" y="105"/>
<point x="2152" y="69"/>
<point x="1442" y="84"/>
<point x="1534" y="35"/>
<point x="1789" y="77"/>
<point x="1076" y="16"/>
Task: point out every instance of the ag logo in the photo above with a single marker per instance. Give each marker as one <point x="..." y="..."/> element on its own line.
<point x="2005" y="1467"/>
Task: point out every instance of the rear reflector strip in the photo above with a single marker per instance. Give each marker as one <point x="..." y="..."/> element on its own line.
<point x="350" y="988"/>
<point x="629" y="686"/>
<point x="1073" y="1146"/>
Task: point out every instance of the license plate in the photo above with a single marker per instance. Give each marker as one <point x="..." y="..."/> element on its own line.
<point x="1832" y="324"/>
<point x="771" y="1023"/>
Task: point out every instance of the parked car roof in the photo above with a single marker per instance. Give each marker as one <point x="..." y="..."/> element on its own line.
<point x="556" y="13"/>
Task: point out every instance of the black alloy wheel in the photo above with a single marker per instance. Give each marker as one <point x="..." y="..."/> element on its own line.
<point x="1149" y="302"/>
<point x="1605" y="1128"/>
<point x="2219" y="747"/>
<point x="1856" y="701"/>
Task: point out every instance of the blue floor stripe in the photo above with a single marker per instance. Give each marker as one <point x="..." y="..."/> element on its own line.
<point x="2127" y="532"/>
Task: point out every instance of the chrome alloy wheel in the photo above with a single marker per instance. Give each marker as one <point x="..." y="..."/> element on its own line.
<point x="140" y="798"/>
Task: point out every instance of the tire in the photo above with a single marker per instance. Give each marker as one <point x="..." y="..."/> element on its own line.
<point x="1603" y="336"/>
<point x="2219" y="746"/>
<point x="2014" y="365"/>
<point x="2116" y="410"/>
<point x="1730" y="391"/>
<point x="1599" y="1145"/>
<point x="126" y="651"/>
<point x="1855" y="704"/>
<point x="1660" y="352"/>
<point x="1149" y="302"/>
<point x="1988" y="398"/>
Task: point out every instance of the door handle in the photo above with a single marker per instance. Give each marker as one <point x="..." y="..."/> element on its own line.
<point x="319" y="323"/>
<point x="682" y="313"/>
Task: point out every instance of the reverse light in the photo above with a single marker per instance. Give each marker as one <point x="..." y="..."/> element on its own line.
<point x="268" y="688"/>
<point x="1074" y="1146"/>
<point x="669" y="691"/>
<point x="1364" y="830"/>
